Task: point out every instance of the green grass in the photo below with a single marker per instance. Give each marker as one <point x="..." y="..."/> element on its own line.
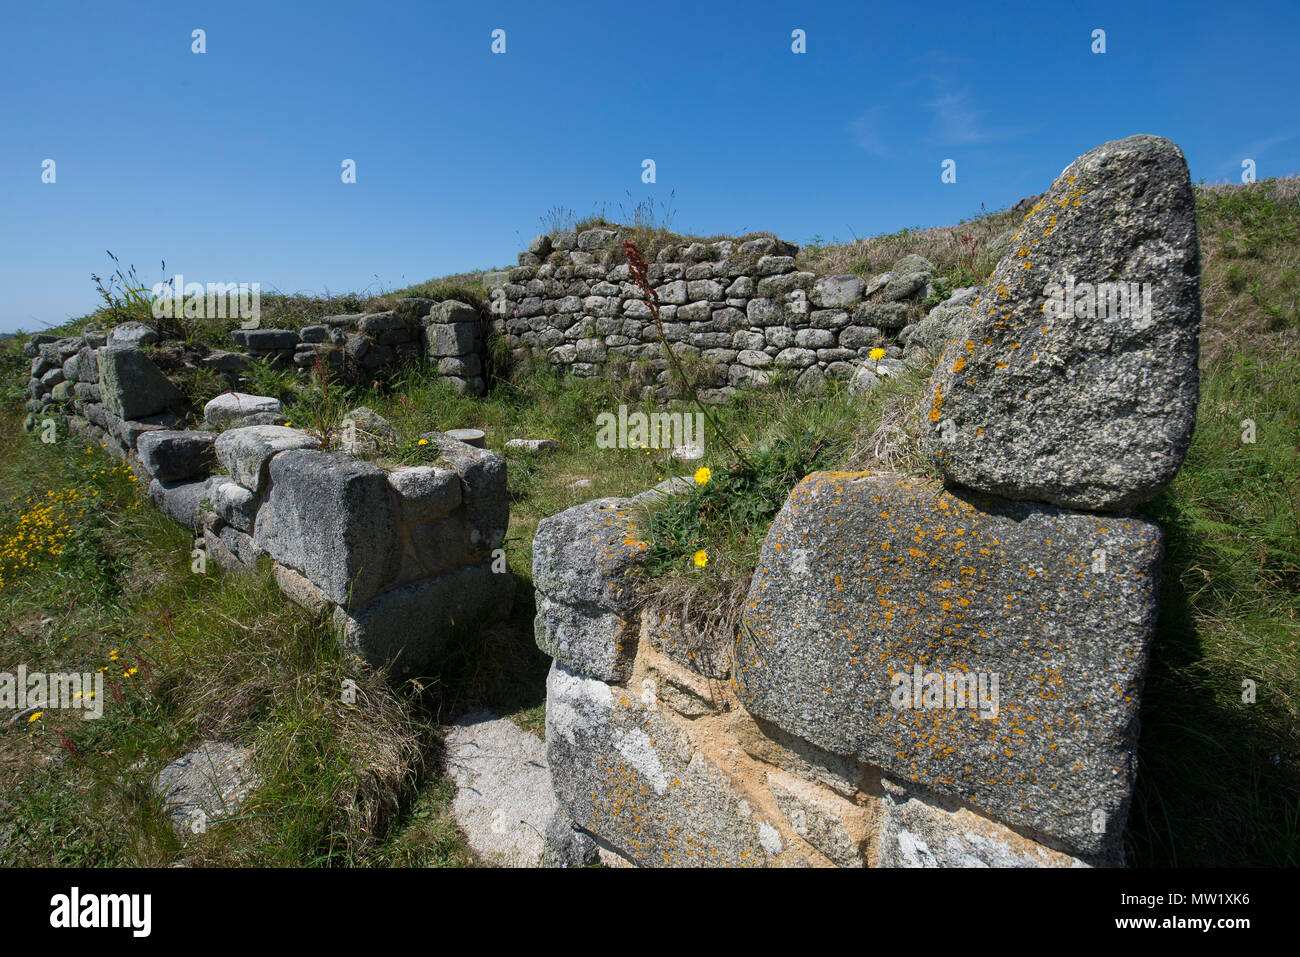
<point x="224" y="656"/>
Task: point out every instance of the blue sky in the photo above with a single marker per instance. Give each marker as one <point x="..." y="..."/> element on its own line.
<point x="227" y="164"/>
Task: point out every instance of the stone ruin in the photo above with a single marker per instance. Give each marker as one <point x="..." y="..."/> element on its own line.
<point x="737" y="311"/>
<point x="396" y="556"/>
<point x="927" y="673"/>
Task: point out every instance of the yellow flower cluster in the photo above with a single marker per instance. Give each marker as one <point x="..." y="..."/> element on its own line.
<point x="43" y="531"/>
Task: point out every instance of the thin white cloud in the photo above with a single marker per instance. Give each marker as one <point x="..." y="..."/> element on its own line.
<point x="866" y="132"/>
<point x="1254" y="151"/>
<point x="957" y="122"/>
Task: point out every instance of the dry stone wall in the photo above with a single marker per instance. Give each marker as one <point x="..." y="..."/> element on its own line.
<point x="397" y="556"/>
<point x="449" y="335"/>
<point x="927" y="673"/>
<point x="738" y="311"/>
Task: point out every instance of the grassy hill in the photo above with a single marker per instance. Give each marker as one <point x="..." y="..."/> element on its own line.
<point x="93" y="577"/>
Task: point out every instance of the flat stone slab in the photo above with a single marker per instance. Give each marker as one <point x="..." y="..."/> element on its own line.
<point x="871" y="587"/>
<point x="233" y="407"/>
<point x="1075" y="381"/>
<point x="210" y="782"/>
<point x="504" y="799"/>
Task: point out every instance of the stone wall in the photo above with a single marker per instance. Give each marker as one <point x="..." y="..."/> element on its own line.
<point x="926" y="673"/>
<point x="738" y="311"/>
<point x="448" y="334"/>
<point x="398" y="556"/>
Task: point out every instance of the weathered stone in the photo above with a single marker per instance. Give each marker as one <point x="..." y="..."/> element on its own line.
<point x="863" y="381"/>
<point x="866" y="577"/>
<point x="935" y="832"/>
<point x="628" y="774"/>
<point x="451" y="338"/>
<point x="404" y="628"/>
<point x="882" y="315"/>
<point x="333" y="519"/>
<point x="131" y="335"/>
<point x="836" y="292"/>
<point x="235" y="505"/>
<point x="586" y="602"/>
<point x="425" y="492"/>
<point x="209" y="783"/>
<point x="131" y="385"/>
<point x="504" y="800"/>
<point x="483" y="477"/>
<point x="838" y="828"/>
<point x="905" y="286"/>
<point x="1084" y="404"/>
<point x="532" y="446"/>
<point x="245" y="452"/>
<point x="230" y="548"/>
<point x="169" y="456"/>
<point x="366" y="432"/>
<point x="183" y="501"/>
<point x="233" y="407"/>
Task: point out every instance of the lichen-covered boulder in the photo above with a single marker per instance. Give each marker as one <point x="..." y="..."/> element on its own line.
<point x="1075" y="382"/>
<point x="992" y="651"/>
<point x="628" y="774"/>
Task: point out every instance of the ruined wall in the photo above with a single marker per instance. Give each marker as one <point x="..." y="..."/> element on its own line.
<point x="926" y="673"/>
<point x="396" y="555"/>
<point x="736" y="311"/>
<point x="449" y="335"/>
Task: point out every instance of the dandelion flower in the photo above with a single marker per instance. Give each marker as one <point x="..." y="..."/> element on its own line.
<point x="422" y="442"/>
<point x="702" y="476"/>
<point x="35" y="717"/>
<point x="701" y="558"/>
<point x="877" y="354"/>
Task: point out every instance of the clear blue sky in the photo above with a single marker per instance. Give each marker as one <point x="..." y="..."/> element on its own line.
<point x="227" y="164"/>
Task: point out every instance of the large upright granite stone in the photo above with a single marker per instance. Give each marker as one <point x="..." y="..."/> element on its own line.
<point x="1054" y="394"/>
<point x="630" y="776"/>
<point x="131" y="386"/>
<point x="483" y="478"/>
<point x="865" y="578"/>
<point x="333" y="519"/>
<point x="586" y="602"/>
